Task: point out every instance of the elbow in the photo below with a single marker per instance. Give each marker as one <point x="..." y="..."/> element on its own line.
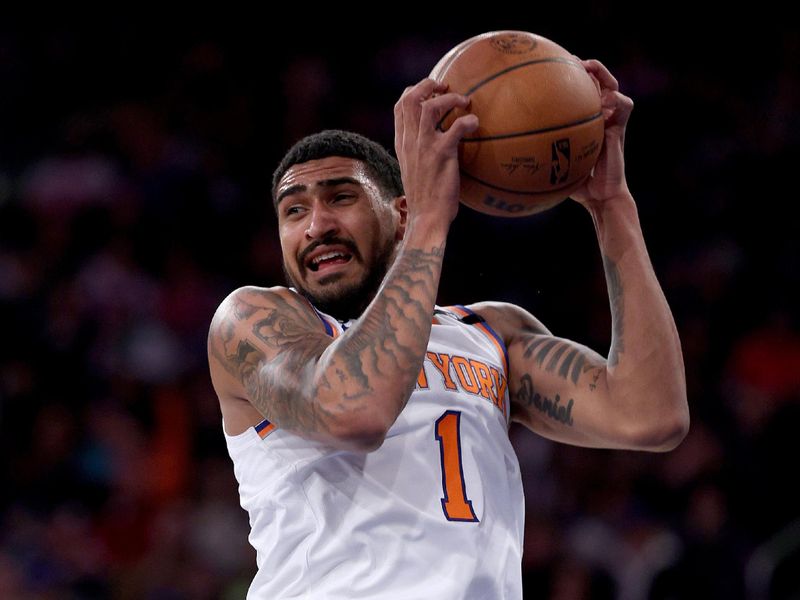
<point x="352" y="423"/>
<point x="360" y="439"/>
<point x="365" y="444"/>
<point x="662" y="434"/>
<point x="356" y="432"/>
<point x="668" y="436"/>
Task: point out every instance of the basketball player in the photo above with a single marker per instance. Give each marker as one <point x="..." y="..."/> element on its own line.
<point x="368" y="426"/>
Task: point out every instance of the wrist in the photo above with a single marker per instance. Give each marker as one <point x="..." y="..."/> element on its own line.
<point x="621" y="201"/>
<point x="427" y="228"/>
<point x="617" y="225"/>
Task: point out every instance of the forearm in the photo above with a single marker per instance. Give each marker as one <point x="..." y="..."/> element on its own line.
<point x="645" y="364"/>
<point x="366" y="376"/>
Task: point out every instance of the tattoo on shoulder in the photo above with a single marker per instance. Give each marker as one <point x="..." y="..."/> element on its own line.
<point x="553" y="408"/>
<point x="245" y="359"/>
<point x="288" y="328"/>
<point x="243" y="309"/>
<point x="277" y="329"/>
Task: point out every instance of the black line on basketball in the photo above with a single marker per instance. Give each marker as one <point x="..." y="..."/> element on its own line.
<point x="566" y="61"/>
<point x="503" y="72"/>
<point x="534" y="131"/>
<point x="510" y="191"/>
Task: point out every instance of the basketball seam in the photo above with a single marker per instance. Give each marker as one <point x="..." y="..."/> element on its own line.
<point x="521" y="193"/>
<point x="494" y="76"/>
<point x="519" y="66"/>
<point x="534" y="131"/>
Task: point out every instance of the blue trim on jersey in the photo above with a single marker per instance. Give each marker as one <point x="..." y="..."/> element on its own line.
<point x="328" y="327"/>
<point x="262" y="425"/>
<point x="490" y="330"/>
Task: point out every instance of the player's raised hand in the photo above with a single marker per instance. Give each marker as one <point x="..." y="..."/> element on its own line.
<point x="607" y="180"/>
<point x="428" y="156"/>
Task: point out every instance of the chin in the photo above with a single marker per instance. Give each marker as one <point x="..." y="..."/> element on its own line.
<point x="345" y="299"/>
<point x="340" y="299"/>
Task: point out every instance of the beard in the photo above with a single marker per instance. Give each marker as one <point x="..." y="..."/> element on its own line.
<point x="347" y="300"/>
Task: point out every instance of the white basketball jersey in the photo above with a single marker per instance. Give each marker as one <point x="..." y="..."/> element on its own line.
<point x="436" y="512"/>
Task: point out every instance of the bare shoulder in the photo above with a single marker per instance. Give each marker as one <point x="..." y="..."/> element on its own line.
<point x="245" y="302"/>
<point x="253" y="325"/>
<point x="252" y="330"/>
<point x="266" y="319"/>
<point x="509" y="320"/>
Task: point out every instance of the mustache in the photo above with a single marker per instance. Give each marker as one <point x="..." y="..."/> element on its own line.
<point x="351" y="247"/>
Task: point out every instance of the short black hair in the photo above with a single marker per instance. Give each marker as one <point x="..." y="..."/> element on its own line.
<point x="381" y="165"/>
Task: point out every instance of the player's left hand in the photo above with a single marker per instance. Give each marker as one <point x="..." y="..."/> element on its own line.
<point x="607" y="180"/>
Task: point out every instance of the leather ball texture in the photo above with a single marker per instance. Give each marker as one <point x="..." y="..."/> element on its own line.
<point x="541" y="124"/>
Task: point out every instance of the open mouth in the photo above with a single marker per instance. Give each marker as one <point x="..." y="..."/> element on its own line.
<point x="328" y="260"/>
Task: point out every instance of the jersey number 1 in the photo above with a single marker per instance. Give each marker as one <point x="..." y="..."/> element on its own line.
<point x="455" y="504"/>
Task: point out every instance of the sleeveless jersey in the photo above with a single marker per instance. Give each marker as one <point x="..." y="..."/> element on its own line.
<point x="436" y="512"/>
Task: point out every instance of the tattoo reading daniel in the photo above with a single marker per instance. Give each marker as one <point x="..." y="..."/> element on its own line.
<point x="552" y="408"/>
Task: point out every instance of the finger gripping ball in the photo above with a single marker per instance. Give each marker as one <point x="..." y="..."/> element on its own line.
<point x="541" y="124"/>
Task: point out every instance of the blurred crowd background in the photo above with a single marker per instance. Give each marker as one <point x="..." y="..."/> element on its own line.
<point x="135" y="161"/>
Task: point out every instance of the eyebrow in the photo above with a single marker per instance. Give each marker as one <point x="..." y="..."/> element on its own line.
<point x="296" y="189"/>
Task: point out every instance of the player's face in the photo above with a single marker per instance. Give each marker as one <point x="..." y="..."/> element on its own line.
<point x="338" y="233"/>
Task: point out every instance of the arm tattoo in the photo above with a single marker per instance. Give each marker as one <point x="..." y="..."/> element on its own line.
<point x="278" y="329"/>
<point x="274" y="387"/>
<point x="615" y="294"/>
<point x="550" y="407"/>
<point x="391" y="337"/>
<point x="244" y="310"/>
<point x="565" y="360"/>
<point x="245" y="360"/>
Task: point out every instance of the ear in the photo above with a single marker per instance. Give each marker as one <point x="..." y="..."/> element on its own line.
<point x="401" y="208"/>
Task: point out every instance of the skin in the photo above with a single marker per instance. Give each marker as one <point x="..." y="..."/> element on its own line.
<point x="321" y="210"/>
<point x="270" y="357"/>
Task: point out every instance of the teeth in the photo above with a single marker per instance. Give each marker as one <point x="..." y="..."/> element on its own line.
<point x="327" y="256"/>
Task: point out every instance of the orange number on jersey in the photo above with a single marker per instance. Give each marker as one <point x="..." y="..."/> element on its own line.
<point x="455" y="504"/>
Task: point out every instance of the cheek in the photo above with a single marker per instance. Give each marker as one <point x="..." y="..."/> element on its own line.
<point x="389" y="220"/>
<point x="289" y="249"/>
<point x="373" y="239"/>
<point x="381" y="221"/>
<point x="386" y="231"/>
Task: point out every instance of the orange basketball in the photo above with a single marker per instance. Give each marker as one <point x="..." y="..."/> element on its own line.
<point x="541" y="126"/>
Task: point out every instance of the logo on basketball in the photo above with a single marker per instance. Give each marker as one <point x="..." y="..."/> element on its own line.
<point x="527" y="164"/>
<point x="513" y="43"/>
<point x="590" y="150"/>
<point x="559" y="161"/>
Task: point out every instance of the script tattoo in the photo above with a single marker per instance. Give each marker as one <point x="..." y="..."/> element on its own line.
<point x="550" y="407"/>
<point x="615" y="294"/>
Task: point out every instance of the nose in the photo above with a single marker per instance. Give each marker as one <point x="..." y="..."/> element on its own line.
<point x="323" y="222"/>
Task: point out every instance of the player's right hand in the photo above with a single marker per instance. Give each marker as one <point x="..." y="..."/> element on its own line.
<point x="428" y="156"/>
<point x="607" y="181"/>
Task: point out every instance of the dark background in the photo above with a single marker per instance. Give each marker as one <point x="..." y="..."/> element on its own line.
<point x="135" y="159"/>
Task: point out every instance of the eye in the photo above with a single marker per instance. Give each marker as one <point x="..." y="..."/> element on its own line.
<point x="343" y="196"/>
<point x="293" y="210"/>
